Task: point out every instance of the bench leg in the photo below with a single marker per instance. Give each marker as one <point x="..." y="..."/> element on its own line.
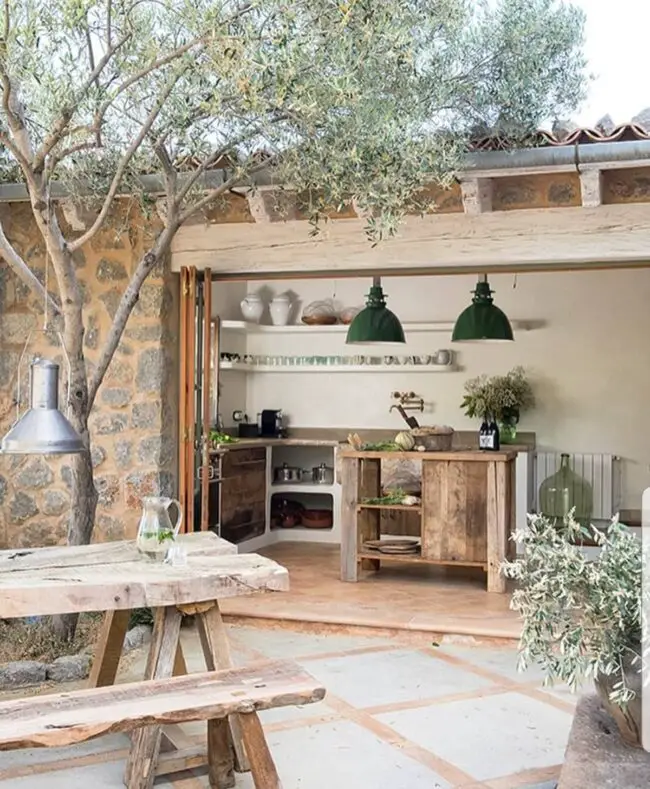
<point x="216" y="651"/>
<point x="221" y="762"/>
<point x="145" y="742"/>
<point x="263" y="770"/>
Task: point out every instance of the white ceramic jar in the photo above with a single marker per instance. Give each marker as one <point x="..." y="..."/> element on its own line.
<point x="252" y="308"/>
<point x="280" y="310"/>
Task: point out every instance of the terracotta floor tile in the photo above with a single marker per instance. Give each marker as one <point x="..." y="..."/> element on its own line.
<point x="410" y="598"/>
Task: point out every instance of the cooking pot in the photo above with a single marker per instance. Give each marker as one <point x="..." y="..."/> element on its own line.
<point x="323" y="475"/>
<point x="286" y="473"/>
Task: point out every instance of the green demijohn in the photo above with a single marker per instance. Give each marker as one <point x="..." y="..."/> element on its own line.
<point x="565" y="490"/>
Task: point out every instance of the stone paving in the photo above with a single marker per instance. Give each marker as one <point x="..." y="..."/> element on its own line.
<point x="396" y="716"/>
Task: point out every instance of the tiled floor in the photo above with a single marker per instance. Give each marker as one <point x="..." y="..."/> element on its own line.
<point x="396" y="716"/>
<point x="422" y="599"/>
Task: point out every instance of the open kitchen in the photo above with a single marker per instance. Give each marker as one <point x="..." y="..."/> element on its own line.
<point x="368" y="461"/>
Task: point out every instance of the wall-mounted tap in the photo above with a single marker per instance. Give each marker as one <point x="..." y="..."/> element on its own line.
<point x="407" y="401"/>
<point x="410" y="401"/>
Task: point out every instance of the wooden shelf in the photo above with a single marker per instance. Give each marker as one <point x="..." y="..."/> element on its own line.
<point x="301" y="487"/>
<point x="338" y="368"/>
<point x="414" y="558"/>
<point x="395" y="507"/>
<point x="339" y="328"/>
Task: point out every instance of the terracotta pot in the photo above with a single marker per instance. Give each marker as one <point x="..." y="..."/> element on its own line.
<point x="628" y="718"/>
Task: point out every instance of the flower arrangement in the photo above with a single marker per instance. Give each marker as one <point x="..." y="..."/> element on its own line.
<point x="500" y="397"/>
<point x="582" y="618"/>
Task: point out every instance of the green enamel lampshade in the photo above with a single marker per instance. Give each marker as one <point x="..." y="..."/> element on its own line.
<point x="482" y="320"/>
<point x="375" y="324"/>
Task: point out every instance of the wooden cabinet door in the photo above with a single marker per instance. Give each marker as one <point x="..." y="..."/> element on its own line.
<point x="243" y="494"/>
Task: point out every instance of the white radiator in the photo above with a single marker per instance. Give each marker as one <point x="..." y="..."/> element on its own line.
<point x="602" y="472"/>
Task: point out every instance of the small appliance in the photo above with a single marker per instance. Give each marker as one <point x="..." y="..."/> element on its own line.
<point x="270" y="424"/>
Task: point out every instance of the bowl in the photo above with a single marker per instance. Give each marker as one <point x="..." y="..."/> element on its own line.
<point x="434" y="439"/>
<point x="317" y="519"/>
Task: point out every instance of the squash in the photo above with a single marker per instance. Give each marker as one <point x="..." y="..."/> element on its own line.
<point x="405" y="441"/>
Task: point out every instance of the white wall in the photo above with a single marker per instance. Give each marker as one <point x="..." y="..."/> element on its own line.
<point x="589" y="364"/>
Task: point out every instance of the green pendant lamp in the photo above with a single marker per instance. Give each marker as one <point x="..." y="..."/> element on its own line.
<point x="482" y="320"/>
<point x="375" y="324"/>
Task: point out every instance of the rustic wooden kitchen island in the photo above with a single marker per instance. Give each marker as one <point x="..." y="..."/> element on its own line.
<point x="466" y="513"/>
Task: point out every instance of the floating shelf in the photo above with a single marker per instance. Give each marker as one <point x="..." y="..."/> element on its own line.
<point x="301" y="328"/>
<point x="338" y="368"/>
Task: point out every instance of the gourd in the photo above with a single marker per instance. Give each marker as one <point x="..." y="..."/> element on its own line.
<point x="405" y="441"/>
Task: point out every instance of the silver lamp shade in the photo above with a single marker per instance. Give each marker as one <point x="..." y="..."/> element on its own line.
<point x="43" y="429"/>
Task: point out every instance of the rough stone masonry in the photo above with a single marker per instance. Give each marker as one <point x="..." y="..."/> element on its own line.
<point x="133" y="422"/>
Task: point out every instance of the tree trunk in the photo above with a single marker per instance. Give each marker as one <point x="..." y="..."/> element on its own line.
<point x="83" y="508"/>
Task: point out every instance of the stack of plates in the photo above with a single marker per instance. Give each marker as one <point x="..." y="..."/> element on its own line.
<point x="393" y="546"/>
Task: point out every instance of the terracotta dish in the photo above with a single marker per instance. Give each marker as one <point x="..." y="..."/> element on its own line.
<point x="317" y="519"/>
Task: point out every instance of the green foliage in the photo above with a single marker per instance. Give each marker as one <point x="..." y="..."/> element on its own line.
<point x="502" y="397"/>
<point x="581" y="617"/>
<point x="141" y="616"/>
<point x="348" y="99"/>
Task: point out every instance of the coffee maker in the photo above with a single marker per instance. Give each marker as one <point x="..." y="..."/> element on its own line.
<point x="270" y="424"/>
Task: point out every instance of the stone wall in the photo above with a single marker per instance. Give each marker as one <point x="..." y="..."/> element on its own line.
<point x="133" y="423"/>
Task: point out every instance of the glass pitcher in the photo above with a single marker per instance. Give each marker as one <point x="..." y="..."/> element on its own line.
<point x="156" y="534"/>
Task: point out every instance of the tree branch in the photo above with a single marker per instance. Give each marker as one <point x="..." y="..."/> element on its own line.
<point x="126" y="305"/>
<point x="23" y="271"/>
<point x="153" y="66"/>
<point x="67" y="112"/>
<point x="213" y="194"/>
<point x="121" y="168"/>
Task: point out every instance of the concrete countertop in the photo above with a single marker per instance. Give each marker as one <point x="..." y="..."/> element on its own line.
<point x="466" y="441"/>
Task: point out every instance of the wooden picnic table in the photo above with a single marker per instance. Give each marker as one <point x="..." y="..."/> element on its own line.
<point x="116" y="578"/>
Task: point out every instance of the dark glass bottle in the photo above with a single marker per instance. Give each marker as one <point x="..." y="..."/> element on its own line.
<point x="495" y="438"/>
<point x="484" y="435"/>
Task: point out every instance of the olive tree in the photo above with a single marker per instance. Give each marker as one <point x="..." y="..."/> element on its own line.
<point x="338" y="100"/>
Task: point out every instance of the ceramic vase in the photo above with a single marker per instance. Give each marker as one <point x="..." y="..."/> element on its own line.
<point x="252" y="308"/>
<point x="280" y="310"/>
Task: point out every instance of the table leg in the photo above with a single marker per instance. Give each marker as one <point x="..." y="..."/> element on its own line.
<point x="216" y="649"/>
<point x="109" y="649"/>
<point x="350" y="468"/>
<point x="497" y="517"/>
<point x="145" y="742"/>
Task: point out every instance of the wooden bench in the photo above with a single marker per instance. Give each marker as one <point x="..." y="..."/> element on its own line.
<point x="68" y="718"/>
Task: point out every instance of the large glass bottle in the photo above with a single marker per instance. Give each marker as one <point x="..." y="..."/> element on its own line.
<point x="563" y="491"/>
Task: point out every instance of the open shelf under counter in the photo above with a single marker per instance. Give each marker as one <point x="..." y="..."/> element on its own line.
<point x="301" y="328"/>
<point x="300" y="487"/>
<point x="414" y="558"/>
<point x="339" y="368"/>
<point x="394" y="507"/>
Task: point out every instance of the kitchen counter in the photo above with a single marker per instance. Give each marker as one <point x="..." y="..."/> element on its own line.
<point x="457" y="455"/>
<point x="247" y="443"/>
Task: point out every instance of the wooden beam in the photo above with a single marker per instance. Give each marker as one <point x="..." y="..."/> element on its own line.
<point x="477" y="195"/>
<point x="591" y="187"/>
<point x="607" y="236"/>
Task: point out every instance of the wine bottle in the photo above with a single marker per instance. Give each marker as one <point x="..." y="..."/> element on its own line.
<point x="484" y="435"/>
<point x="495" y="438"/>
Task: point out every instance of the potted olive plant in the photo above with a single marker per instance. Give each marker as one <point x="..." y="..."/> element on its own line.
<point x="581" y="616"/>
<point x="499" y="397"/>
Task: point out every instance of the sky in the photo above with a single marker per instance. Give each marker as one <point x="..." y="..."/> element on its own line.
<point x="617" y="46"/>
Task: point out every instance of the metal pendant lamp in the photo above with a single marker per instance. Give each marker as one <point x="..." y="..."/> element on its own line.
<point x="42" y="429"/>
<point x="482" y="321"/>
<point x="375" y="324"/>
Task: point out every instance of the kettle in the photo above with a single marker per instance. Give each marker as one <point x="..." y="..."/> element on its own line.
<point x="156" y="534"/>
